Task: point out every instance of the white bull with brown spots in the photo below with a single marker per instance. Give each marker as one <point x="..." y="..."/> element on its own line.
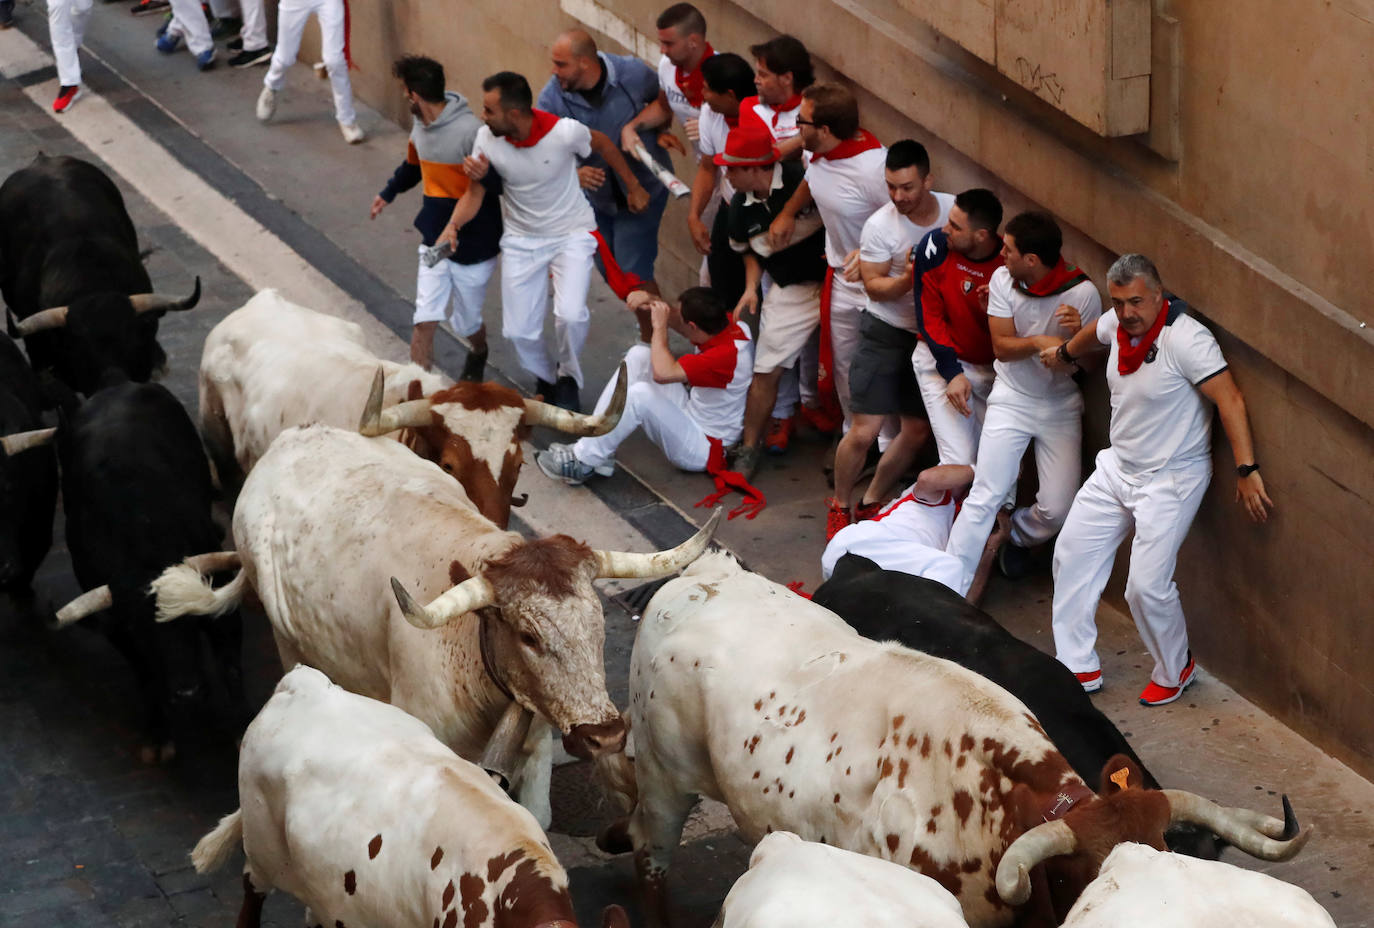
<point x="742" y="691"/>
<point x="271" y="365"/>
<point x="353" y="807"/>
<point x="329" y="522"/>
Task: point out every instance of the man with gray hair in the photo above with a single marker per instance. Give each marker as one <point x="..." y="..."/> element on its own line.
<point x="1160" y="366"/>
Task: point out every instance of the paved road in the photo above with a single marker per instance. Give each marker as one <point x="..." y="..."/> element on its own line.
<point x="88" y="836"/>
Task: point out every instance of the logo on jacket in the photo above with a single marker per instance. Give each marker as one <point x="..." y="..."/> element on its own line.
<point x="1152" y="354"/>
<point x="967" y="285"/>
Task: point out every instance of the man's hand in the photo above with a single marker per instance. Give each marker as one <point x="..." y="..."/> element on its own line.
<point x="378" y="204"/>
<point x="637" y="198"/>
<point x="659" y="314"/>
<point x="629" y="138"/>
<point x="1067" y="316"/>
<point x="780" y="231"/>
<point x="1050" y="358"/>
<point x="591" y="178"/>
<point x="638" y="299"/>
<point x="1250" y="494"/>
<point x="959" y="391"/>
<point x="851" y="267"/>
<point x="981" y="292"/>
<point x="450" y="235"/>
<point x="476" y="167"/>
<point x="693" y="129"/>
<point x="748" y="303"/>
<point x="701" y="236"/>
<point x="669" y="141"/>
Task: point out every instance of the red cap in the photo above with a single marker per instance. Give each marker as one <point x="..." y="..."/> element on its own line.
<point x="748" y="146"/>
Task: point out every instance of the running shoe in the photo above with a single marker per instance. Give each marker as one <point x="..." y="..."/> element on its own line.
<point x="865" y="511"/>
<point x="248" y="59"/>
<point x="836" y="517"/>
<point x="66" y="96"/>
<point x="559" y="463"/>
<point x="168" y="43"/>
<point x="778" y="435"/>
<point x="1156" y="695"/>
<point x="1091" y="680"/>
<point x="267" y="104"/>
<point x="206" y="59"/>
<point x="149" y="6"/>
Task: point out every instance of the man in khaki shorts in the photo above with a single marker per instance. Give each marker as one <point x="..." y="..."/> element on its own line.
<point x="792" y="306"/>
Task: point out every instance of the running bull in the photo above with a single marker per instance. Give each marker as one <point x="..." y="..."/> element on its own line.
<point x="73" y="277"/>
<point x="742" y="691"/>
<point x="330" y="522"/>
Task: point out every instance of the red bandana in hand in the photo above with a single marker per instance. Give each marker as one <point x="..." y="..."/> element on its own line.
<point x="543" y="124"/>
<point x="1060" y="278"/>
<point x="692" y="82"/>
<point x="864" y="141"/>
<point x="1129" y="357"/>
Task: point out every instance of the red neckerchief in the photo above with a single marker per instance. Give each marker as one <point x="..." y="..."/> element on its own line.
<point x="1060" y="278"/>
<point x="788" y="105"/>
<point x="727" y="480"/>
<point x="862" y="142"/>
<point x="731" y="121"/>
<point x="621" y="281"/>
<point x="692" y="82"/>
<point x="1129" y="357"/>
<point x="541" y="126"/>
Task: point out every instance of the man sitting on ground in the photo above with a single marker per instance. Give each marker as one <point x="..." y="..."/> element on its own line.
<point x="691" y="407"/>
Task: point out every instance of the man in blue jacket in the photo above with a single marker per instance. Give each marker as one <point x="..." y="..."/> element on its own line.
<point x="604" y="92"/>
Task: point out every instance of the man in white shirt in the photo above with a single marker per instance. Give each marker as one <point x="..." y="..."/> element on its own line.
<point x="1035" y="301"/>
<point x="682" y="49"/>
<point x="1160" y="366"/>
<point x="333" y="22"/>
<point x="882" y="382"/>
<point x="548" y="225"/>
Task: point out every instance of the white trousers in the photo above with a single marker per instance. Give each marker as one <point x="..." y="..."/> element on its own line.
<point x="448" y="285"/>
<point x="188" y="21"/>
<point x="908" y="536"/>
<point x="67" y="30"/>
<point x="658" y="408"/>
<point x="1012" y="421"/>
<point x="847" y="302"/>
<point x="1160" y="509"/>
<point x="526" y="265"/>
<point x="254" y="32"/>
<point x="956" y="436"/>
<point x="291" y="17"/>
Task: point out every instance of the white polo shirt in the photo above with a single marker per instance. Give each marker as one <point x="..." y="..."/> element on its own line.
<point x="1034" y="315"/>
<point x="677" y="100"/>
<point x="908" y="536"/>
<point x="781" y="122"/>
<point x="712" y="130"/>
<point x="718" y="375"/>
<point x="890" y="236"/>
<point x="541" y="195"/>
<point x="847" y="191"/>
<point x="1159" y="417"/>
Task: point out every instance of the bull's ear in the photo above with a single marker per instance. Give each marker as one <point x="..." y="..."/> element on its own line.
<point x="414" y="391"/>
<point x="613" y="916"/>
<point x="1120" y="774"/>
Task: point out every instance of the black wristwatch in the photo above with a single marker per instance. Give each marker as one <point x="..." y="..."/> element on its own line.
<point x="1245" y="470"/>
<point x="1063" y="353"/>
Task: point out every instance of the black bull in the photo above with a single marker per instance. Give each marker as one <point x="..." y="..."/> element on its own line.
<point x="28" y="480"/>
<point x="137" y="493"/>
<point x="927" y="616"/>
<point x="67" y="241"/>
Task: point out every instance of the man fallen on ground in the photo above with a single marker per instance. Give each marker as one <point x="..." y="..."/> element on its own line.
<point x="909" y="535"/>
<point x="691" y="406"/>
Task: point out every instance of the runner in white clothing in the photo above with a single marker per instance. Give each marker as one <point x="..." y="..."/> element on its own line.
<point x="332" y="18"/>
<point x="67" y="30"/>
<point x="1160" y="366"/>
<point x="188" y="22"/>
<point x="1035" y="301"/>
<point x="548" y="225"/>
<point x="683" y="48"/>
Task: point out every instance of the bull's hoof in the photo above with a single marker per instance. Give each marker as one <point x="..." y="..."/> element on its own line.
<point x="615" y="838"/>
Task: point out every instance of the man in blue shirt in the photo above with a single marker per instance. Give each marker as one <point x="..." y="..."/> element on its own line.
<point x="604" y="92"/>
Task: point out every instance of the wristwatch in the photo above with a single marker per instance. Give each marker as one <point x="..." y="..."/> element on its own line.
<point x="1245" y="470"/>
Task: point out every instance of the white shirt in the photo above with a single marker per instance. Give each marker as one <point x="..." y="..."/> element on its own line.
<point x="541" y="195"/>
<point x="909" y="536"/>
<point x="847" y="191"/>
<point x="1159" y="417"/>
<point x="1034" y="315"/>
<point x="677" y="100"/>
<point x="890" y="236"/>
<point x="711" y="132"/>
<point x="718" y="378"/>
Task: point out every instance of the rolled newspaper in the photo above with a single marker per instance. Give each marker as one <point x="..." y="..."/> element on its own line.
<point x="665" y="177"/>
<point x="435" y="253"/>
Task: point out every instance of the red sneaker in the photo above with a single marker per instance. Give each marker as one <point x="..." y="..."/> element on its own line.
<point x="836" y="517"/>
<point x="865" y="511"/>
<point x="819" y="420"/>
<point x="1092" y="680"/>
<point x="1156" y="695"/>
<point x="66" y="96"/>
<point x="778" y="435"/>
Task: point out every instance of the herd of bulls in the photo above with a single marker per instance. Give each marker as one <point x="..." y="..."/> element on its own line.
<point x="899" y="757"/>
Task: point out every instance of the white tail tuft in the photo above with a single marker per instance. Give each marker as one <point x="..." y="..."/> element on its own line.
<point x="213" y="850"/>
<point x="181" y="590"/>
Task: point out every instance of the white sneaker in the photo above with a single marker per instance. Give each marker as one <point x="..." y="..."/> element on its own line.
<point x="352" y="132"/>
<point x="267" y="104"/>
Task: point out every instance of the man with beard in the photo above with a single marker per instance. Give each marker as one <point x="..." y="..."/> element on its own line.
<point x="441" y="136"/>
<point x="682" y="49"/>
<point x="548" y="225"/>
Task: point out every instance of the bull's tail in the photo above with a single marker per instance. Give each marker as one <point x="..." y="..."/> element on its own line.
<point x="182" y="590"/>
<point x="616" y="772"/>
<point x="213" y="850"/>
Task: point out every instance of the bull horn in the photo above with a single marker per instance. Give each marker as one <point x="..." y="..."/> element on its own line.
<point x="660" y="564"/>
<point x="214" y="562"/>
<point x="23" y="441"/>
<point x="379" y="421"/>
<point x="88" y="603"/>
<point x="152" y="302"/>
<point x="575" y="423"/>
<point x="1042" y="842"/>
<point x="469" y="596"/>
<point x="1252" y="833"/>
<point x="42" y="321"/>
<point x="501" y="758"/>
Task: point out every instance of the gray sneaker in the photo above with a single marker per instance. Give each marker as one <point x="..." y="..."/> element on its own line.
<point x="747" y="461"/>
<point x="559" y="463"/>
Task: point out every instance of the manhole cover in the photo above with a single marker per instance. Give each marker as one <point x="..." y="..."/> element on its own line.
<point x="580" y="807"/>
<point x="633" y="601"/>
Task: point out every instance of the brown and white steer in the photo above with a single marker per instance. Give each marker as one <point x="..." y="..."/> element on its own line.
<point x="326" y="524"/>
<point x="271" y="365"/>
<point x="742" y="691"/>
<point x="353" y="807"/>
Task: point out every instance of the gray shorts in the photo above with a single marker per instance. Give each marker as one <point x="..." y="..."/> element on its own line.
<point x="882" y="381"/>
